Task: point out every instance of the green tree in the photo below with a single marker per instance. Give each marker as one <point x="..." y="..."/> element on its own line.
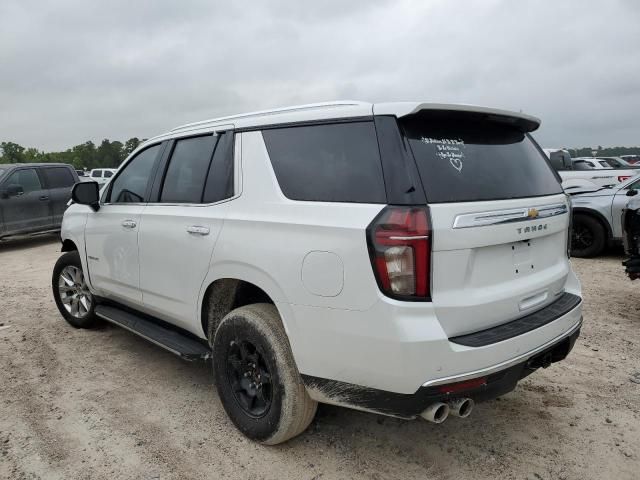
<point x="32" y="155"/>
<point x="129" y="146"/>
<point x="109" y="154"/>
<point x="82" y="156"/>
<point x="12" y="152"/>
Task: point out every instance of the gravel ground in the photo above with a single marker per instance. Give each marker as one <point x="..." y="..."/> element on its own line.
<point x="104" y="404"/>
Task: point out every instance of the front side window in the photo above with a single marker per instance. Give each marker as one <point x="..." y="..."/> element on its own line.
<point x="26" y="179"/>
<point x="130" y="186"/>
<point x="330" y="163"/>
<point x="96" y="174"/>
<point x="58" y="177"/>
<point x="187" y="172"/>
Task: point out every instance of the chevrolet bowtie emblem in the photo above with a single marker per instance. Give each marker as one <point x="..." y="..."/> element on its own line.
<point x="532" y="213"/>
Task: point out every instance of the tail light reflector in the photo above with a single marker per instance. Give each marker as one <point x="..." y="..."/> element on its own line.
<point x="400" y="248"/>
<point x="462" y="386"/>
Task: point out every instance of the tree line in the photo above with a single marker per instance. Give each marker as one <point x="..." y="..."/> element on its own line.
<point x="603" y="152"/>
<point x="110" y="154"/>
<point x="86" y="155"/>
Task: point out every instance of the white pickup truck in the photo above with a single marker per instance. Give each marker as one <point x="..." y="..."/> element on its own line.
<point x="585" y="173"/>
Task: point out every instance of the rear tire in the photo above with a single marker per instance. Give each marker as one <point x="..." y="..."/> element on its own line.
<point x="71" y="292"/>
<point x="257" y="378"/>
<point x="588" y="237"/>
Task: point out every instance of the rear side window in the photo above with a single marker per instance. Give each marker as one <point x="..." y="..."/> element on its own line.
<point x="465" y="158"/>
<point x="329" y="163"/>
<point x="58" y="177"/>
<point x="108" y="174"/>
<point x="187" y="172"/>
<point x="219" y="184"/>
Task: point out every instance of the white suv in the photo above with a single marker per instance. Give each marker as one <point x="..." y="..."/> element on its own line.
<point x="101" y="175"/>
<point x="400" y="258"/>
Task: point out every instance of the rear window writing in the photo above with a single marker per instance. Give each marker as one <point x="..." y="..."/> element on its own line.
<point x="465" y="159"/>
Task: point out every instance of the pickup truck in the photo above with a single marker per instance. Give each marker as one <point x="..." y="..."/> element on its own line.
<point x="34" y="196"/>
<point x="585" y="172"/>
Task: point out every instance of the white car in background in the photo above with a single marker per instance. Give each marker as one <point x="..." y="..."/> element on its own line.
<point x="631" y="159"/>
<point x="597" y="216"/>
<point x="589" y="163"/>
<point x="585" y="172"/>
<point x="618" y="162"/>
<point x="101" y="175"/>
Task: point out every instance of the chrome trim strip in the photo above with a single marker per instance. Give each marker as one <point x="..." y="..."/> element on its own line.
<point x="503" y="365"/>
<point x="414" y="237"/>
<point x="496" y="217"/>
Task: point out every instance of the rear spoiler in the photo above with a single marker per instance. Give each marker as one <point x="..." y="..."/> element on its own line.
<point x="525" y="123"/>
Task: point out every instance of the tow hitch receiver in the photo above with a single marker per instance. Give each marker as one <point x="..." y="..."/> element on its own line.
<point x="544" y="360"/>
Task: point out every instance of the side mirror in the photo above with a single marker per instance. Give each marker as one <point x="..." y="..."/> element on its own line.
<point x="86" y="193"/>
<point x="14" y="190"/>
<point x="632" y="193"/>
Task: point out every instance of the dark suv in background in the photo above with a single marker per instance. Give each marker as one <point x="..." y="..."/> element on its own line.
<point x="34" y="196"/>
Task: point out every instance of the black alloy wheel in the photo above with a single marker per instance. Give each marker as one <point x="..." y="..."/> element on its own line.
<point x="249" y="378"/>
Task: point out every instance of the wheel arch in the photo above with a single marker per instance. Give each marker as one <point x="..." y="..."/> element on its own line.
<point x="598" y="216"/>
<point x="68" y="246"/>
<point x="230" y="290"/>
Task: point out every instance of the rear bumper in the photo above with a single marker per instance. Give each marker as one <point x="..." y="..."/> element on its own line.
<point x="499" y="380"/>
<point x="401" y="346"/>
<point x="563" y="305"/>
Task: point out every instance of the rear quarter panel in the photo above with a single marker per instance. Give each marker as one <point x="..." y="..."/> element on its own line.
<point x="288" y="248"/>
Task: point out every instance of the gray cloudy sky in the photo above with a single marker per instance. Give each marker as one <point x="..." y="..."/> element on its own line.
<point x="73" y="70"/>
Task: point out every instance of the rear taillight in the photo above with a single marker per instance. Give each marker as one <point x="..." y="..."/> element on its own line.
<point x="400" y="247"/>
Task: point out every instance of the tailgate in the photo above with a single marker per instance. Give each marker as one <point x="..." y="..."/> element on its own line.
<point x="497" y="261"/>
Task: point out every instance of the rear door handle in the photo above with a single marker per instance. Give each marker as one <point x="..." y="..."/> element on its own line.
<point x="129" y="224"/>
<point x="198" y="230"/>
<point x="44" y="197"/>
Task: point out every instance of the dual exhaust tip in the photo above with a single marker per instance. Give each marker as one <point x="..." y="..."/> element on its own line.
<point x="439" y="411"/>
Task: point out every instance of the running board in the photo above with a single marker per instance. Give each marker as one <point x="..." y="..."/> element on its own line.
<point x="178" y="343"/>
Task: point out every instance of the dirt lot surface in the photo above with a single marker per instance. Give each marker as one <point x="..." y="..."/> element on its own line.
<point x="105" y="404"/>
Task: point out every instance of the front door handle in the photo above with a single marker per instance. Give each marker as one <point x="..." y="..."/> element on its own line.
<point x="129" y="224"/>
<point x="198" y="230"/>
<point x="44" y="197"/>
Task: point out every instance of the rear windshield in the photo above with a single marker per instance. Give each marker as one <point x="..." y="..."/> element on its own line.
<point x="462" y="158"/>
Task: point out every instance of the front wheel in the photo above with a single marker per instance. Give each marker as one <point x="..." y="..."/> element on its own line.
<point x="256" y="376"/>
<point x="71" y="292"/>
<point x="588" y="237"/>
